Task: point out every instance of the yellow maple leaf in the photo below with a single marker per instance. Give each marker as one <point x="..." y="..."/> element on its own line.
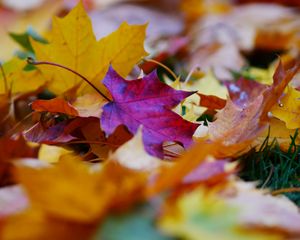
<point x="277" y="130"/>
<point x="34" y="224"/>
<point x="288" y="110"/>
<point x="72" y="43"/>
<point x="68" y="186"/>
<point x="68" y="200"/>
<point x="77" y="192"/>
<point x="124" y="47"/>
<point x="17" y="80"/>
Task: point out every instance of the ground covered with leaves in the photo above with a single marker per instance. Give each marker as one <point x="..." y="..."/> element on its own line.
<point x="149" y="120"/>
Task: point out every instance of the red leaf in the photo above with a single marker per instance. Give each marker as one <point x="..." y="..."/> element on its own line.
<point x="59" y="133"/>
<point x="100" y="145"/>
<point x="252" y="117"/>
<point x="57" y="105"/>
<point x="147" y="102"/>
<point x="281" y="78"/>
<point x="11" y="148"/>
<point x="211" y="102"/>
<point x="244" y="91"/>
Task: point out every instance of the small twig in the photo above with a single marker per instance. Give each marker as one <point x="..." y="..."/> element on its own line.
<point x="269" y="177"/>
<point x="170" y="144"/>
<point x="90" y="142"/>
<point x="18" y="124"/>
<point x="33" y="62"/>
<point x="285" y="190"/>
<point x="162" y="65"/>
<point x="191" y="73"/>
<point x="169" y="152"/>
<point x="96" y="160"/>
<point x="87" y="154"/>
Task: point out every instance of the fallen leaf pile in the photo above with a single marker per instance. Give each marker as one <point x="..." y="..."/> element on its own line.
<point x="137" y="134"/>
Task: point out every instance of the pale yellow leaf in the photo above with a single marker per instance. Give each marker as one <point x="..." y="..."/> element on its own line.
<point x="288" y="110"/>
<point x="137" y="159"/>
<point x="202" y="214"/>
<point x="51" y="154"/>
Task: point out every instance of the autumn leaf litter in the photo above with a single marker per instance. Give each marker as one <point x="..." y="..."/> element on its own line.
<point x="100" y="139"/>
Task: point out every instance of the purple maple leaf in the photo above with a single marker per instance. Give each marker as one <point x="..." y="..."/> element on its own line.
<point x="148" y="102"/>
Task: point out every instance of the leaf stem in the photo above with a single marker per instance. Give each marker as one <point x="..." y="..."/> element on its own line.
<point x="269" y="177"/>
<point x="162" y="65"/>
<point x="18" y="124"/>
<point x="191" y="73"/>
<point x="33" y="62"/>
<point x="285" y="190"/>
